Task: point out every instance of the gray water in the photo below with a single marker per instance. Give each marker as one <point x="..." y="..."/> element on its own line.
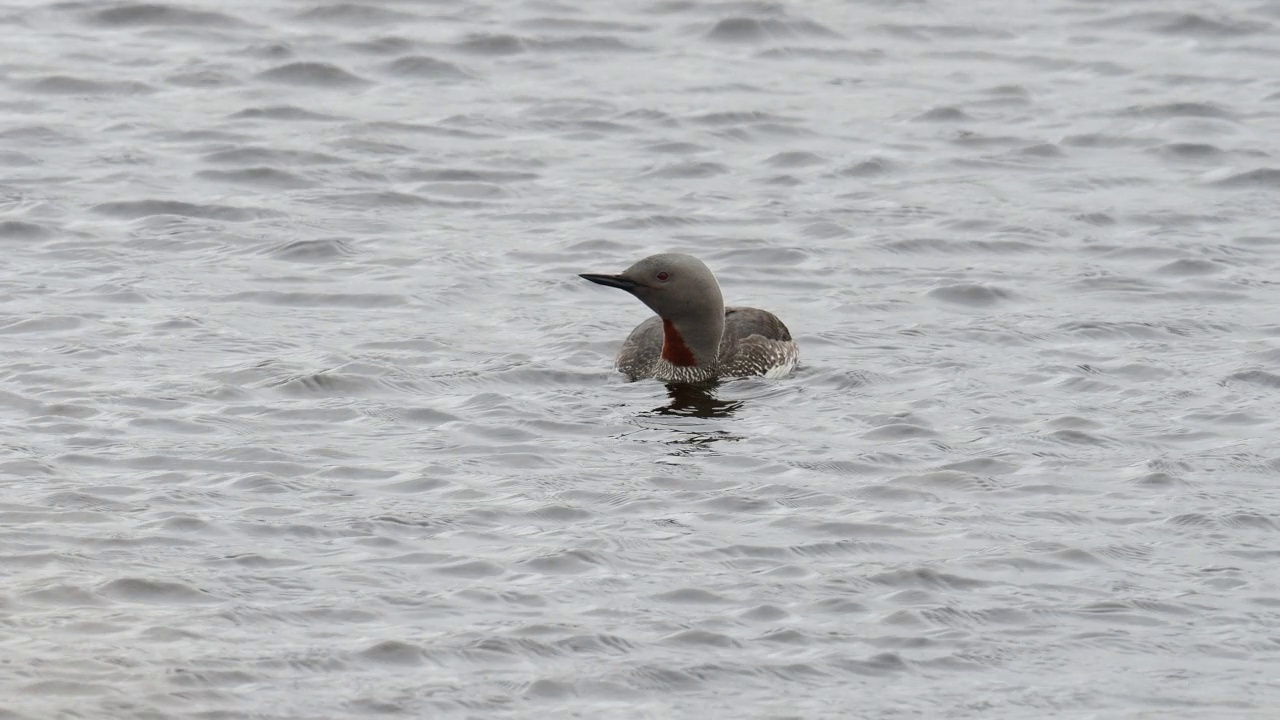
<point x="304" y="412"/>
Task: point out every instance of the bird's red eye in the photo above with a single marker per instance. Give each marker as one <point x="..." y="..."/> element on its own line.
<point x="663" y="276"/>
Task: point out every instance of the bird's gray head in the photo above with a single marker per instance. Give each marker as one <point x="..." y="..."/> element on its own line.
<point x="674" y="285"/>
<point x="682" y="290"/>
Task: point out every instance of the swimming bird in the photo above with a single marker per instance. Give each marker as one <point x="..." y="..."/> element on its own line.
<point x="694" y="338"/>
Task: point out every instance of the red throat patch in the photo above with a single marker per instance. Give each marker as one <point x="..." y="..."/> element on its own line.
<point x="674" y="350"/>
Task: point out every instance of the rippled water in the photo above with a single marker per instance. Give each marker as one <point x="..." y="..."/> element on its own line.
<point x="305" y="412"/>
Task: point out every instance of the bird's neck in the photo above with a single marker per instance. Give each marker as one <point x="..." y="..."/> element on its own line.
<point x="693" y="343"/>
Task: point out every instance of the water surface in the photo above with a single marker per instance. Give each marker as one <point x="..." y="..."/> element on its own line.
<point x="305" y="413"/>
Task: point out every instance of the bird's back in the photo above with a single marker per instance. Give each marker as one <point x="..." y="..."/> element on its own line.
<point x="755" y="342"/>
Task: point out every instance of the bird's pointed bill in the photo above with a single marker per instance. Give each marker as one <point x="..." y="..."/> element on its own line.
<point x="616" y="281"/>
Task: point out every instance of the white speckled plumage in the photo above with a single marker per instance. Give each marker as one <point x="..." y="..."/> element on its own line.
<point x="694" y="338"/>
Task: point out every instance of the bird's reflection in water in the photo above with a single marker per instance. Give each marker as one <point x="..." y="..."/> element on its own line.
<point x="696" y="401"/>
<point x="685" y="418"/>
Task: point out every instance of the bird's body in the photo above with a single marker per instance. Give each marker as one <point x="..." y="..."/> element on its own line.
<point x="694" y="338"/>
<point x="755" y="342"/>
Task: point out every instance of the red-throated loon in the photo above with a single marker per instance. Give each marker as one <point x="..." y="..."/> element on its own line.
<point x="694" y="337"/>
